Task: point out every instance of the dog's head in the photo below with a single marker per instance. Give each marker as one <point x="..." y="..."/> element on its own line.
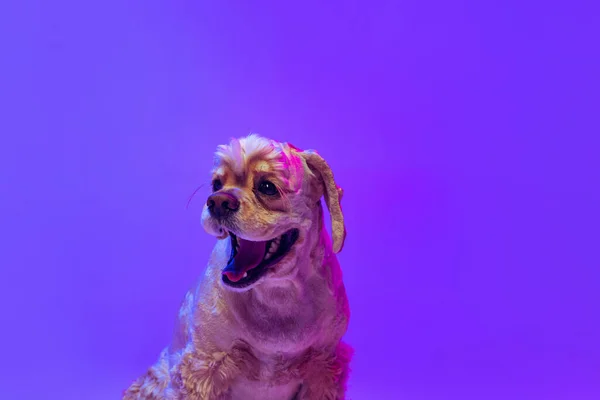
<point x="266" y="197"/>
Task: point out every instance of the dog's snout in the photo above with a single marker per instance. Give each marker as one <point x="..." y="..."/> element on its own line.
<point x="222" y="204"/>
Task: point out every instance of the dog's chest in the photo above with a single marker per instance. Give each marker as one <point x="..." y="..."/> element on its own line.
<point x="244" y="389"/>
<point x="274" y="376"/>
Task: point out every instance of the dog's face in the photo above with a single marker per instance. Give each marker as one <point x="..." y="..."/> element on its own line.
<point x="264" y="197"/>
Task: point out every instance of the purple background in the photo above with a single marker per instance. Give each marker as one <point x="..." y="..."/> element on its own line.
<point x="465" y="135"/>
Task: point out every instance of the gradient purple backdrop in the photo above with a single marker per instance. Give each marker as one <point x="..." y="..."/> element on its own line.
<point x="465" y="135"/>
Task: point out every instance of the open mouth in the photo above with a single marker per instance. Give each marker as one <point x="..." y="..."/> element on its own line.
<point x="250" y="260"/>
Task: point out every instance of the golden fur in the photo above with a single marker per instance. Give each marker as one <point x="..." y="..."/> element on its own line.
<point x="280" y="338"/>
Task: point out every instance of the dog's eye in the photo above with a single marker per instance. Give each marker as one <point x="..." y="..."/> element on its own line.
<point x="217" y="185"/>
<point x="268" y="188"/>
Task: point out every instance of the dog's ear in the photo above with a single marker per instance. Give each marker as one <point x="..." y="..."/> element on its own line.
<point x="332" y="193"/>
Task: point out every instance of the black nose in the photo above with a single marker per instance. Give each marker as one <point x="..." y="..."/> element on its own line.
<point x="222" y="204"/>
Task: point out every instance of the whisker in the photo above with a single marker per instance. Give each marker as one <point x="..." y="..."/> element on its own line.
<point x="193" y="194"/>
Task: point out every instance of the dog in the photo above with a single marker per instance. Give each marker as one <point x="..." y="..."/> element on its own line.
<point x="266" y="320"/>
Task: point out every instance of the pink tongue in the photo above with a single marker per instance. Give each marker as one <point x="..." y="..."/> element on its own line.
<point x="249" y="255"/>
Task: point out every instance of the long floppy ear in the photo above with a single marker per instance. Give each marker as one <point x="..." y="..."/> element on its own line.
<point x="333" y="196"/>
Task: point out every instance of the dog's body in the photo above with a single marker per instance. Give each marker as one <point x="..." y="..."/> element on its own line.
<point x="262" y="326"/>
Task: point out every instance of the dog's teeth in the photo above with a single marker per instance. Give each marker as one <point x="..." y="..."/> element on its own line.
<point x="245" y="275"/>
<point x="273" y="247"/>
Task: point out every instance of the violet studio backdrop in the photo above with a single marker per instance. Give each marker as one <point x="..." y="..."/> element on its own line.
<point x="465" y="136"/>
